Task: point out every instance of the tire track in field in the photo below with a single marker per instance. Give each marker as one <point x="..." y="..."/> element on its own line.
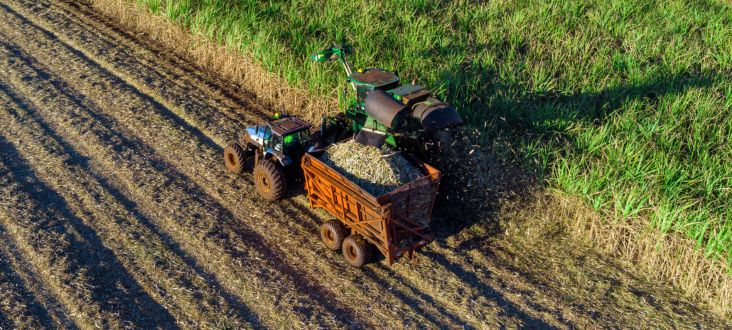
<point x="95" y="136"/>
<point x="129" y="233"/>
<point x="400" y="297"/>
<point x="167" y="84"/>
<point x="83" y="268"/>
<point x="217" y="160"/>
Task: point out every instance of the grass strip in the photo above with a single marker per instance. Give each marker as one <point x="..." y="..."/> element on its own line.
<point x="637" y="93"/>
<point x="601" y="99"/>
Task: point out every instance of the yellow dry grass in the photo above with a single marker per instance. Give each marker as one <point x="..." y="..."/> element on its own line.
<point x="676" y="261"/>
<point x="220" y="60"/>
<point x="661" y="256"/>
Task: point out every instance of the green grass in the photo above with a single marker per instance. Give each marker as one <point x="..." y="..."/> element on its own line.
<point x="626" y="103"/>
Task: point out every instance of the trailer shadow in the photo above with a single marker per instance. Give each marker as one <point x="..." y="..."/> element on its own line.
<point x="471" y="279"/>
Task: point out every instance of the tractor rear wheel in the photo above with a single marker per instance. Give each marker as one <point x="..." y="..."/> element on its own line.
<point x="333" y="232"/>
<point x="356" y="250"/>
<point x="269" y="178"/>
<point x="235" y="158"/>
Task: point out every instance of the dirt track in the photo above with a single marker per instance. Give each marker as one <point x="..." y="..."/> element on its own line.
<point x="115" y="211"/>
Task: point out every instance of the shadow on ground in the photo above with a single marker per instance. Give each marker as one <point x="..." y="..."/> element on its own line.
<point x="110" y="284"/>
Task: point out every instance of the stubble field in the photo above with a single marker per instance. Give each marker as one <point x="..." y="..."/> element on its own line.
<point x="116" y="212"/>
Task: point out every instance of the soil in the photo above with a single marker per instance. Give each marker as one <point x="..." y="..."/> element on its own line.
<point x="116" y="211"/>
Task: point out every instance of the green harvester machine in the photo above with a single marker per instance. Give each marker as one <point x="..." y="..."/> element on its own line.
<point x="381" y="111"/>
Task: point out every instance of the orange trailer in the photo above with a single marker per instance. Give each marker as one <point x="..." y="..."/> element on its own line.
<point x="396" y="222"/>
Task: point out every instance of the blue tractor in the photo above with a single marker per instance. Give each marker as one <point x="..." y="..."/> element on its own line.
<point x="275" y="146"/>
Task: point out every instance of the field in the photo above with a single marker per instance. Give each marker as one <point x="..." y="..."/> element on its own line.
<point x="625" y="105"/>
<point x="117" y="212"/>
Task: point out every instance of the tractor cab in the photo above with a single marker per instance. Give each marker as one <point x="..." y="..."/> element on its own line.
<point x="282" y="138"/>
<point x="287" y="135"/>
<point x="274" y="146"/>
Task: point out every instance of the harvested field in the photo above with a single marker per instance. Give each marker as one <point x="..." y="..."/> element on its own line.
<point x="117" y="212"/>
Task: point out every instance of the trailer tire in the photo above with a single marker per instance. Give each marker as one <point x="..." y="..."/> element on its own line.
<point x="333" y="232"/>
<point x="356" y="250"/>
<point x="235" y="158"/>
<point x="270" y="180"/>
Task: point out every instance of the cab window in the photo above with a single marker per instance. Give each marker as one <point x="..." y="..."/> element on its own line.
<point x="277" y="142"/>
<point x="363" y="91"/>
<point x="297" y="141"/>
<point x="267" y="140"/>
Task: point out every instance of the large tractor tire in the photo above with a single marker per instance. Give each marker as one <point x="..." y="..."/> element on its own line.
<point x="235" y="158"/>
<point x="333" y="232"/>
<point x="270" y="180"/>
<point x="356" y="250"/>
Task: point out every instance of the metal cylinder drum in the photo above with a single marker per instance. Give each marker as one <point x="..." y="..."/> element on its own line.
<point x="383" y="107"/>
<point x="435" y="117"/>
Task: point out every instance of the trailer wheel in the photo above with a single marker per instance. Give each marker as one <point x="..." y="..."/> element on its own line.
<point x="235" y="158"/>
<point x="333" y="232"/>
<point x="356" y="250"/>
<point x="270" y="180"/>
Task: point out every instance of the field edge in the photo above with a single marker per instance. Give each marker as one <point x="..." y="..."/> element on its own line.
<point x="705" y="280"/>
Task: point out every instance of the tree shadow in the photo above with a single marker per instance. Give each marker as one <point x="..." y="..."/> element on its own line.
<point x="83" y="162"/>
<point x="517" y="119"/>
<point x="110" y="285"/>
<point x="36" y="308"/>
<point x="180" y="181"/>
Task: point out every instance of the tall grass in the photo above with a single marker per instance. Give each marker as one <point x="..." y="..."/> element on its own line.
<point x="624" y="103"/>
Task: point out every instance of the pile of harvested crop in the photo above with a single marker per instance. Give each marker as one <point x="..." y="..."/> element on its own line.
<point x="378" y="171"/>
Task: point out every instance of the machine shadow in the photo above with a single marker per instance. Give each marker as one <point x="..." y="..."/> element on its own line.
<point x="470" y="198"/>
<point x="520" y="119"/>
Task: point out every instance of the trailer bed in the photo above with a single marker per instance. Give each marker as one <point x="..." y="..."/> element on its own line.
<point x="396" y="222"/>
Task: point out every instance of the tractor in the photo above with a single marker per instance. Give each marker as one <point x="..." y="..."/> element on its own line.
<point x="275" y="147"/>
<point x="380" y="111"/>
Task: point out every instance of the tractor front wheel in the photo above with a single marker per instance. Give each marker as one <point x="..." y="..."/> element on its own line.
<point x="356" y="250"/>
<point x="270" y="180"/>
<point x="235" y="158"/>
